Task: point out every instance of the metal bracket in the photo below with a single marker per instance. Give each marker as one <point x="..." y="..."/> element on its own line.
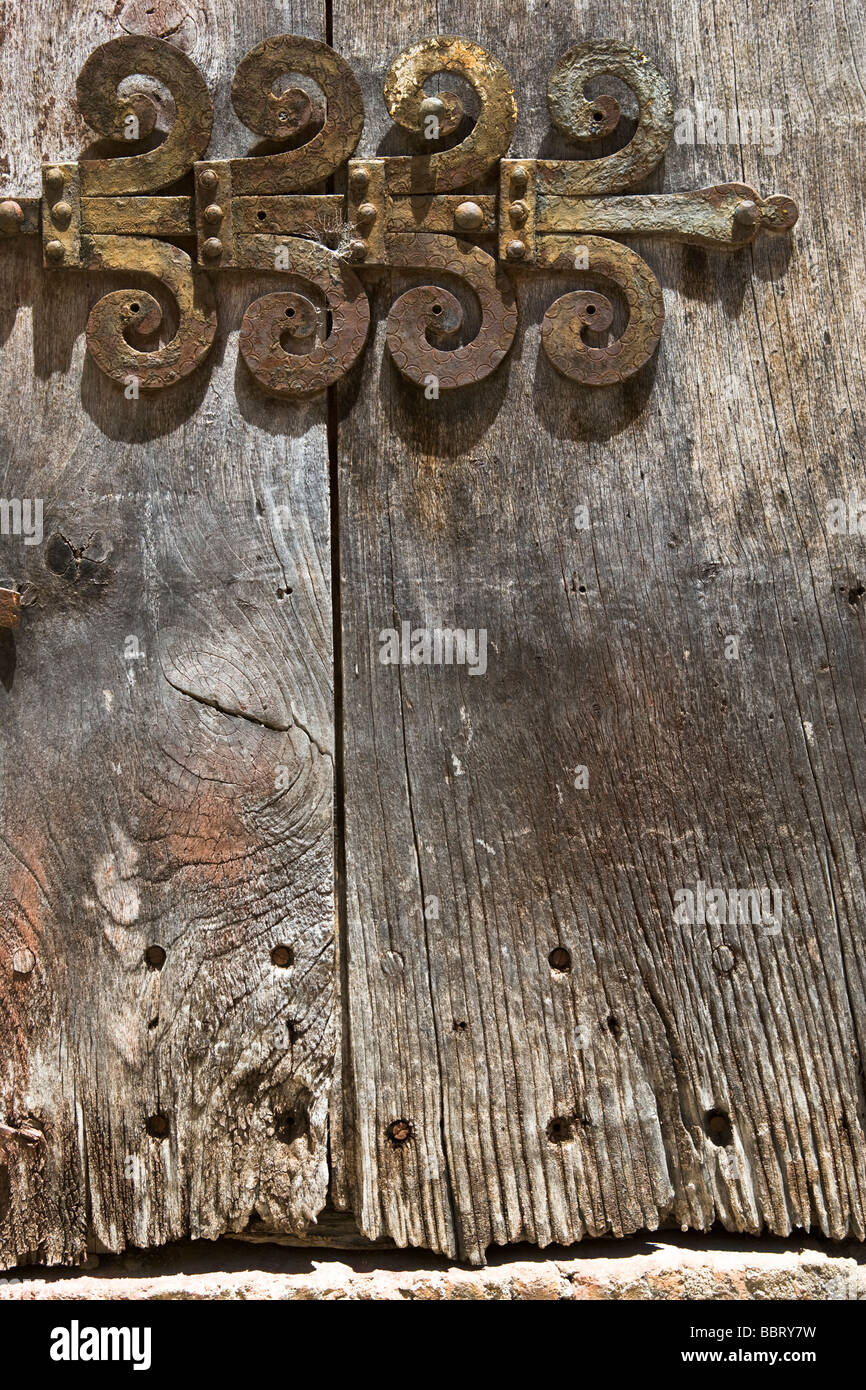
<point x="413" y="212"/>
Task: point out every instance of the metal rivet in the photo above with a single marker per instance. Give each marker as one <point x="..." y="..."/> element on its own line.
<point x="358" y="250"/>
<point x="208" y="180"/>
<point x="519" y="179"/>
<point x="367" y="212"/>
<point x="283" y="956"/>
<point x="54" y="179"/>
<point x="746" y="213"/>
<point x="518" y="214"/>
<point x="359" y="178"/>
<point x="54" y="250"/>
<point x="400" y="1131"/>
<point x="11" y="216"/>
<point x="23" y="961"/>
<point x="469" y="216"/>
<point x="61" y="214"/>
<point x="212" y="248"/>
<point x="723" y="960"/>
<point x="432" y="106"/>
<point x="213" y="213"/>
<point x="515" y="250"/>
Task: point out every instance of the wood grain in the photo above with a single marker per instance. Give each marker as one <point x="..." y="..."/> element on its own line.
<point x="675" y="1074"/>
<point x="167" y="750"/>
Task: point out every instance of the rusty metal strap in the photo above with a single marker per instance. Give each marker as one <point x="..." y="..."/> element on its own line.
<point x="429" y="211"/>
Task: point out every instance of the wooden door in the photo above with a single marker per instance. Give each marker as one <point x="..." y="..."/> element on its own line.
<point x="559" y="939"/>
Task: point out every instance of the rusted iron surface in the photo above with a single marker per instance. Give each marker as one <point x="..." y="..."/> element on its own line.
<point x="10" y="608"/>
<point x="108" y="113"/>
<point x="136" y="311"/>
<point x="729" y="215"/>
<point x="278" y="117"/>
<point x="590" y="119"/>
<point x="439" y="116"/>
<point x="427" y="312"/>
<point x="573" y="314"/>
<point x="410" y="212"/>
<point x="276" y="322"/>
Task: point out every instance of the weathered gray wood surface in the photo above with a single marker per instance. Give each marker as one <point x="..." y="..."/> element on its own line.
<point x="547" y="1105"/>
<point x="140" y="803"/>
<point x="674" y="1073"/>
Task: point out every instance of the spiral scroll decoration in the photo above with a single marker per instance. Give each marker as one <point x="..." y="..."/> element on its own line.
<point x="591" y="118"/>
<point x="405" y="96"/>
<point x="277" y="117"/>
<point x="570" y="316"/>
<point x="273" y="317"/>
<point x="105" y="111"/>
<point x="427" y="310"/>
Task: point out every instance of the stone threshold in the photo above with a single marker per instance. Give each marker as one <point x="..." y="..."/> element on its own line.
<point x="662" y="1266"/>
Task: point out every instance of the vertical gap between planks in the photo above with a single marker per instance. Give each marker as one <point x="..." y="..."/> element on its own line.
<point x="340" y="917"/>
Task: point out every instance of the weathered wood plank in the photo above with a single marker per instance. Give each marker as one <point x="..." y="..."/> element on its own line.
<point x="167" y="758"/>
<point x="675" y="1073"/>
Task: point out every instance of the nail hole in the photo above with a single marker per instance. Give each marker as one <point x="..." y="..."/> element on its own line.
<point x="292" y="1125"/>
<point x="283" y="956"/>
<point x="157" y="1125"/>
<point x="290" y="313"/>
<point x="460" y="1025"/>
<point x="261" y="215"/>
<point x="590" y="308"/>
<point x="399" y="1131"/>
<point x="559" y="959"/>
<point x="560" y="1129"/>
<point x="437" y="308"/>
<point x="283" y="593"/>
<point x="719" y="1128"/>
<point x="134" y="308"/>
<point x="155" y="957"/>
<point x="598" y="115"/>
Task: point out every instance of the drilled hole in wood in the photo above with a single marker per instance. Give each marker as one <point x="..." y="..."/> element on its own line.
<point x="155" y="957"/>
<point x="460" y="1025"/>
<point x="282" y="956"/>
<point x="559" y="959"/>
<point x="719" y="1128"/>
<point x="157" y="1125"/>
<point x="560" y="1129"/>
<point x="262" y="216"/>
<point x="399" y="1131"/>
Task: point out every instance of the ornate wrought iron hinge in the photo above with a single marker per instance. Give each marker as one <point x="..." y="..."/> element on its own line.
<point x="415" y="212"/>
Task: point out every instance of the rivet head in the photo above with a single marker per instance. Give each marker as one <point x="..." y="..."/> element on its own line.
<point x="61" y="214"/>
<point x="515" y="250"/>
<point x="54" y="179"/>
<point x="11" y="216"/>
<point x="723" y="960"/>
<point x="358" y="250"/>
<point x="367" y="212"/>
<point x="54" y="250"/>
<point x="23" y="961"/>
<point x="212" y="248"/>
<point x="468" y="216"/>
<point x="746" y="213"/>
<point x="359" y="178"/>
<point x="208" y="180"/>
<point x="519" y="179"/>
<point x="432" y="106"/>
<point x="518" y="214"/>
<point x="213" y="213"/>
<point x="282" y="956"/>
